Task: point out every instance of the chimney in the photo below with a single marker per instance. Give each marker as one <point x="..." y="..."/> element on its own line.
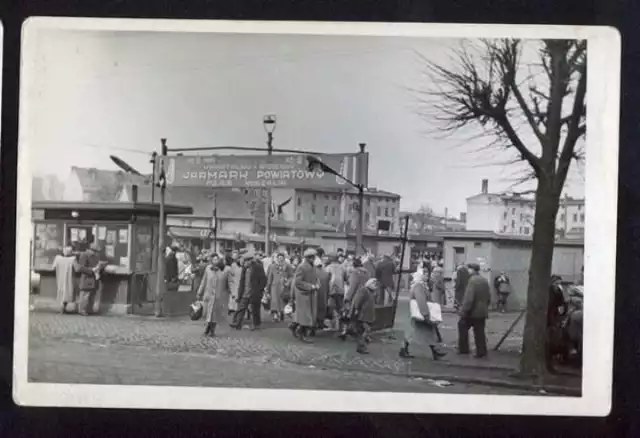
<point x="134" y="193"/>
<point x="485" y="186"/>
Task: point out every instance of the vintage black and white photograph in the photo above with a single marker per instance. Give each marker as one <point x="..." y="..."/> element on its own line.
<point x="392" y="216"/>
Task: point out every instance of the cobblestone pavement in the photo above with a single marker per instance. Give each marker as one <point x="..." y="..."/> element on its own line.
<point x="272" y="344"/>
<point x="69" y="362"/>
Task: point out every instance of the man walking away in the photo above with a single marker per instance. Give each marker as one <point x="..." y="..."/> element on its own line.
<point x="322" y="295"/>
<point x="437" y="276"/>
<point x="305" y="289"/>
<point x="363" y="313"/>
<point x="88" y="267"/>
<point x="474" y="313"/>
<point x="502" y="285"/>
<point x="357" y="280"/>
<point x="462" y="278"/>
<point x="252" y="282"/>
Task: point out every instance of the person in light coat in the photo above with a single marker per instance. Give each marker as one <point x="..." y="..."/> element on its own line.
<point x="421" y="331"/>
<point x="337" y="287"/>
<point x="214" y="290"/>
<point x="63" y="265"/>
<point x="305" y="286"/>
<point x="279" y="276"/>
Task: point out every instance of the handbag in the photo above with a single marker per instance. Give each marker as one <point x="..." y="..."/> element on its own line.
<point x="195" y="311"/>
<point x="414" y="310"/>
<point x="435" y="312"/>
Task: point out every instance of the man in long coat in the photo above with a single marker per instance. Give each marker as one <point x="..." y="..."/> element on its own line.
<point x="63" y="265"/>
<point x="278" y="286"/>
<point x="214" y="291"/>
<point x="305" y="286"/>
<point x="322" y="296"/>
<point x="474" y="313"/>
<point x="252" y="282"/>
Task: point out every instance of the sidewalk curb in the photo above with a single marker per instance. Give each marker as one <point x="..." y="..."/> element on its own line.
<point x="551" y="389"/>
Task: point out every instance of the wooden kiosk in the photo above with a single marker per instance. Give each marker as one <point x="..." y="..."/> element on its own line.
<point x="127" y="234"/>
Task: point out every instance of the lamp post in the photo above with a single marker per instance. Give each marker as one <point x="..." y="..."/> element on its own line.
<point x="314" y="163"/>
<point x="269" y="123"/>
<point x="153" y="160"/>
<point x="162" y="183"/>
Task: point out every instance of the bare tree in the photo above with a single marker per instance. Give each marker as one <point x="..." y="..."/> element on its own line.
<point x="536" y="111"/>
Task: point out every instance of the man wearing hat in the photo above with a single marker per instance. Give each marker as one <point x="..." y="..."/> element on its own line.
<point x="252" y="282"/>
<point x="363" y="312"/>
<point x="474" y="312"/>
<point x="88" y="266"/>
<point x="305" y="285"/>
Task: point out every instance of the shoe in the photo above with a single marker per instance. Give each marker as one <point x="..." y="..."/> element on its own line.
<point x="480" y="356"/>
<point x="342" y="336"/>
<point x="294" y="330"/>
<point x="362" y="350"/>
<point x="437" y="354"/>
<point x="236" y="326"/>
<point x="404" y="353"/>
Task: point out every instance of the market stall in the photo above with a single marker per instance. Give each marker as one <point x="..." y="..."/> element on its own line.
<point x="127" y="234"/>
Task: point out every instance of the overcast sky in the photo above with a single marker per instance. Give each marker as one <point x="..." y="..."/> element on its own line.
<point x="101" y="92"/>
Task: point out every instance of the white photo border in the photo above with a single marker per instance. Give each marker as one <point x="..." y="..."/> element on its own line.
<point x="604" y="48"/>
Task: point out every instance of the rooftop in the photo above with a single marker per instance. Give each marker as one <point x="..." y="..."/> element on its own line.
<point x="490" y="235"/>
<point x="372" y="191"/>
<point x="104" y="206"/>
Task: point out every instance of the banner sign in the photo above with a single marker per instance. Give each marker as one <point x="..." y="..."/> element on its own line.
<point x="257" y="171"/>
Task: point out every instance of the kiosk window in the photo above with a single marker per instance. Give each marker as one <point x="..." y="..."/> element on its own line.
<point x="47" y="243"/>
<point x="143" y="248"/>
<point x="114" y="240"/>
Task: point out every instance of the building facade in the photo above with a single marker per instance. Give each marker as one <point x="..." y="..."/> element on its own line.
<point x="514" y="215"/>
<point x="340" y="209"/>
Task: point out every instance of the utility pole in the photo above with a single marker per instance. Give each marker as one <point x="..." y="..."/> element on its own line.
<point x="360" y="185"/>
<point x="269" y="123"/>
<point x="162" y="183"/>
<point x="154" y="157"/>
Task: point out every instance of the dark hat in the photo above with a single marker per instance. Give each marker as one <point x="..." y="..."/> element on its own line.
<point x="474" y="266"/>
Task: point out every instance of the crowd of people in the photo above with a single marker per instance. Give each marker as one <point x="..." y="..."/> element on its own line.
<point x="316" y="292"/>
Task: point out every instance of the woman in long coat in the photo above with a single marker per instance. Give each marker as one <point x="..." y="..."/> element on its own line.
<point x="278" y="286"/>
<point x="422" y="332"/>
<point x="63" y="265"/>
<point x="214" y="291"/>
<point x="235" y="271"/>
<point x="305" y="288"/>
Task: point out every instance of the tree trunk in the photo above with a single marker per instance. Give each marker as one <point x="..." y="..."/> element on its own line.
<point x="533" y="359"/>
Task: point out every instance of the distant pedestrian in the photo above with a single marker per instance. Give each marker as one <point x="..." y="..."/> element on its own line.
<point x="214" y="290"/>
<point x="422" y="331"/>
<point x="502" y="286"/>
<point x="89" y="268"/>
<point x="252" y="283"/>
<point x="63" y="266"/>
<point x="358" y="278"/>
<point x="306" y="286"/>
<point x="474" y="312"/>
<point x="462" y="278"/>
<point x="278" y="286"/>
<point x="363" y="313"/>
<point x="557" y="309"/>
<point x="438" y="286"/>
<point x="234" y="266"/>
<point x="369" y="264"/>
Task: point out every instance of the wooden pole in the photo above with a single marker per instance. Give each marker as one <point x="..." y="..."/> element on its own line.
<point x="403" y="248"/>
<point x="508" y="332"/>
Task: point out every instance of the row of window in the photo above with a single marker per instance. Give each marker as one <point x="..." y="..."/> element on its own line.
<point x="575" y="217"/>
<point x="336" y="197"/>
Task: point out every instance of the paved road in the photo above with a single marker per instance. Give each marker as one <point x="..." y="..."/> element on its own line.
<point x="73" y="362"/>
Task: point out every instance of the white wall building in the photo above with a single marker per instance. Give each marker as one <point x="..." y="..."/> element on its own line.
<point x="514" y="215"/>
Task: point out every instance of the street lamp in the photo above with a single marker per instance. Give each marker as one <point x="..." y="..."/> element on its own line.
<point x="269" y="124"/>
<point x="315" y="163"/>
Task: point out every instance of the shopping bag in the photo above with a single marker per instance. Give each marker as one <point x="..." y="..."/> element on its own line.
<point x="414" y="309"/>
<point x="435" y="312"/>
<point x="196" y="310"/>
<point x="288" y="310"/>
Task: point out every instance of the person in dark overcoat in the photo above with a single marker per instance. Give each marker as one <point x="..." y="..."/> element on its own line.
<point x="322" y="296"/>
<point x="214" y="290"/>
<point x="252" y="283"/>
<point x="462" y="278"/>
<point x="474" y="312"/>
<point x="363" y="312"/>
<point x="88" y="266"/>
<point x="305" y="286"/>
<point x="385" y="270"/>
